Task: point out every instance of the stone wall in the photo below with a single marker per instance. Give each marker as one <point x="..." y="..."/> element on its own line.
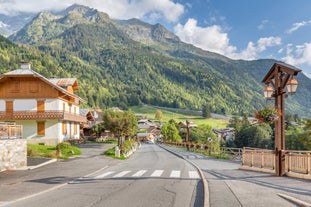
<point x="13" y="154"/>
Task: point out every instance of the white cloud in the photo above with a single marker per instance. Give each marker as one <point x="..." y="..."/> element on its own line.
<point x="119" y="9"/>
<point x="209" y="38"/>
<point x="298" y="25"/>
<point x="298" y="55"/>
<point x="214" y="39"/>
<point x="263" y="24"/>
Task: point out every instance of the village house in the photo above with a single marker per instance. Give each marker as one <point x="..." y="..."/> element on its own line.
<point x="48" y="109"/>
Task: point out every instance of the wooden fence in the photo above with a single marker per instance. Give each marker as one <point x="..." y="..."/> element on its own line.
<point x="233" y="153"/>
<point x="297" y="163"/>
<point x="11" y="131"/>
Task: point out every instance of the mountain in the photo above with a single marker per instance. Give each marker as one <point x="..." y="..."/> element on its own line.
<point x="14" y="22"/>
<point x="131" y="62"/>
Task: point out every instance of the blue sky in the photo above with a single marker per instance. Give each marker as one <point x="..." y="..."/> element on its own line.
<point x="238" y="29"/>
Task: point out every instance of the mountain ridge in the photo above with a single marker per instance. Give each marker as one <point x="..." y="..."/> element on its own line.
<point x="162" y="71"/>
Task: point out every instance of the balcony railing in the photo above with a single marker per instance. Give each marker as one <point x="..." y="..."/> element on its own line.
<point x="40" y="115"/>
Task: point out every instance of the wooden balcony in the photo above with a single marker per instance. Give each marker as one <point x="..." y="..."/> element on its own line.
<point x="41" y="115"/>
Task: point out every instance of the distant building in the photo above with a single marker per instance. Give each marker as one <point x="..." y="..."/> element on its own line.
<point x="184" y="125"/>
<point x="48" y="109"/>
<point x="226" y="134"/>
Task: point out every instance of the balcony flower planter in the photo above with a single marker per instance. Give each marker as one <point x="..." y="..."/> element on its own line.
<point x="267" y="115"/>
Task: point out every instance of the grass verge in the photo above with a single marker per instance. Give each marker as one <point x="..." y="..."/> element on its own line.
<point x="111" y="153"/>
<point x="61" y="151"/>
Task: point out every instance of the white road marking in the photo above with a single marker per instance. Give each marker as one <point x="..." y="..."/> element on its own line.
<point x="121" y="174"/>
<point x="194" y="174"/>
<point x="93" y="173"/>
<point x="157" y="173"/>
<point x="139" y="173"/>
<point x="175" y="174"/>
<point x="104" y="175"/>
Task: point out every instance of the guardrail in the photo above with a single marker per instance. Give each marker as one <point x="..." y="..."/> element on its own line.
<point x="10" y="131"/>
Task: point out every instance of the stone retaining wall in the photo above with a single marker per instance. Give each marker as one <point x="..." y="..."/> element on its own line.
<point x="13" y="154"/>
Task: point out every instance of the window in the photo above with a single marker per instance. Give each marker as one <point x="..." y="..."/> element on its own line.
<point x="40" y="105"/>
<point x="64" y="128"/>
<point x="75" y="130"/>
<point x="41" y="128"/>
<point x="9" y="106"/>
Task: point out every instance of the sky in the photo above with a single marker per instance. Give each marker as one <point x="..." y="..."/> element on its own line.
<point x="238" y="29"/>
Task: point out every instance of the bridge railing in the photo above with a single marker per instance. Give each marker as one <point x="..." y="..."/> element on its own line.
<point x="297" y="163"/>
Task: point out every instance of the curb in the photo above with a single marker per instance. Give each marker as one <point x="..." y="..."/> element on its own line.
<point x="205" y="184"/>
<point x="295" y="200"/>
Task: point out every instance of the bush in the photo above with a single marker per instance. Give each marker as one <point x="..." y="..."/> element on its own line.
<point x="63" y="145"/>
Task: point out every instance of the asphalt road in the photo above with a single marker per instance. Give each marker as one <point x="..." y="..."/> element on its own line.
<point x="230" y="187"/>
<point x="150" y="177"/>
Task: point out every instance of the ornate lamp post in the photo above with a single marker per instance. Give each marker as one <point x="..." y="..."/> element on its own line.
<point x="278" y="80"/>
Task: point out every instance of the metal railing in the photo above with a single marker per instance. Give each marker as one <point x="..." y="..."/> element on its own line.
<point x="10" y="131"/>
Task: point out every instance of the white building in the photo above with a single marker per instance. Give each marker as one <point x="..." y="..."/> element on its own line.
<point x="47" y="109"/>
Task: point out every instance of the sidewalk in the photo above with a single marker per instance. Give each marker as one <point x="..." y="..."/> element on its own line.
<point x="42" y="175"/>
<point x="228" y="186"/>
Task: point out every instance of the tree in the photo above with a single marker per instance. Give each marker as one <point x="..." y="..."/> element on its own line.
<point x="158" y="115"/>
<point x="170" y="132"/>
<point x="201" y="133"/>
<point x="206" y="111"/>
<point x="121" y="124"/>
<point x="258" y="136"/>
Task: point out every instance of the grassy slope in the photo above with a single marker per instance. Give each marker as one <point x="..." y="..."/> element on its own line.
<point x="149" y="112"/>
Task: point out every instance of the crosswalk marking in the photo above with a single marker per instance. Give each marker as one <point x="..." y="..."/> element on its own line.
<point x="175" y="174"/>
<point x="194" y="174"/>
<point x="104" y="175"/>
<point x="121" y="174"/>
<point x="139" y="173"/>
<point x="157" y="173"/>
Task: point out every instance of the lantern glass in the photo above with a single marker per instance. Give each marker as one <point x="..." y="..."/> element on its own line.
<point x="268" y="91"/>
<point x="292" y="86"/>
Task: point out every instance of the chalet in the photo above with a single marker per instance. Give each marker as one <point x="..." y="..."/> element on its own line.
<point x="226" y="134"/>
<point x="185" y="125"/>
<point x="47" y="109"/>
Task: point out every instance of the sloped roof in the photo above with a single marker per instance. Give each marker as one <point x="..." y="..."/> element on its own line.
<point x="65" y="82"/>
<point x="87" y="113"/>
<point x="31" y="73"/>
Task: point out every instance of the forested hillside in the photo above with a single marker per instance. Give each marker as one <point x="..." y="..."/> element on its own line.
<point x="118" y="66"/>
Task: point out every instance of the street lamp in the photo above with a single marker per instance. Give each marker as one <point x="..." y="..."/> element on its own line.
<point x="279" y="77"/>
<point x="188" y="133"/>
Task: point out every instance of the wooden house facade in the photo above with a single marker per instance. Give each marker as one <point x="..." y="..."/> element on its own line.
<point x="47" y="109"/>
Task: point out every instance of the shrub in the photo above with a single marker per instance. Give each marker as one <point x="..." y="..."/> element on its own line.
<point x="63" y="145"/>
